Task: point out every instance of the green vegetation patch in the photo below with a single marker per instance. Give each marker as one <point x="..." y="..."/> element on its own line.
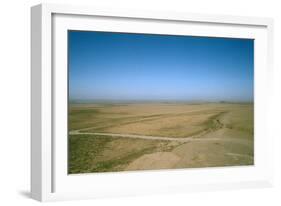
<point x="83" y="151"/>
<point x="92" y="153"/>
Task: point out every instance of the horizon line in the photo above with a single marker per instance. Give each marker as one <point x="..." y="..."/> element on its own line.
<point x="154" y="100"/>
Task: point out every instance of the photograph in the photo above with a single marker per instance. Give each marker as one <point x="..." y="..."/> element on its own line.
<point x="139" y="101"/>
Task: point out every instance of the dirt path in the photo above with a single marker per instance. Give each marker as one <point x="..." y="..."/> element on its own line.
<point x="217" y="125"/>
<point x="215" y="133"/>
<point x="182" y="139"/>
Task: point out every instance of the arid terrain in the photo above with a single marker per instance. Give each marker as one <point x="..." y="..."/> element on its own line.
<point x="141" y="136"/>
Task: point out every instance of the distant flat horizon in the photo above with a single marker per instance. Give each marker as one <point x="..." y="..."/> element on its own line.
<point x="125" y="67"/>
<point x="84" y="101"/>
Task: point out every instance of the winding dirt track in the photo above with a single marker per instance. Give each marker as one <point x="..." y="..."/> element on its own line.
<point x="134" y="136"/>
<point x="219" y="125"/>
<point x="181" y="139"/>
<point x="198" y="137"/>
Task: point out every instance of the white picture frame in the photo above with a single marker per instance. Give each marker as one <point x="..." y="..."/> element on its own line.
<point x="49" y="179"/>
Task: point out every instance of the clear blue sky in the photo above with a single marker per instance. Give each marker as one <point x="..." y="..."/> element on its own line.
<point x="119" y="66"/>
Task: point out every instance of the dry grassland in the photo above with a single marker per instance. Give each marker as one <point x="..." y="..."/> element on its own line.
<point x="199" y="135"/>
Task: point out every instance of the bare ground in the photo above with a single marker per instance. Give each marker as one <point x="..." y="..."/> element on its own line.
<point x="223" y="137"/>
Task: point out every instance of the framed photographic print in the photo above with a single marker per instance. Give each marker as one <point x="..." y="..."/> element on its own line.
<point x="135" y="102"/>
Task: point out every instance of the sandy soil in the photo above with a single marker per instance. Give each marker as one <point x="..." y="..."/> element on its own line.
<point x="223" y="147"/>
<point x="167" y="136"/>
<point x="159" y="160"/>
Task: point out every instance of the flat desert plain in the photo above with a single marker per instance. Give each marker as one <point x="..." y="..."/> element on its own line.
<point x="147" y="136"/>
